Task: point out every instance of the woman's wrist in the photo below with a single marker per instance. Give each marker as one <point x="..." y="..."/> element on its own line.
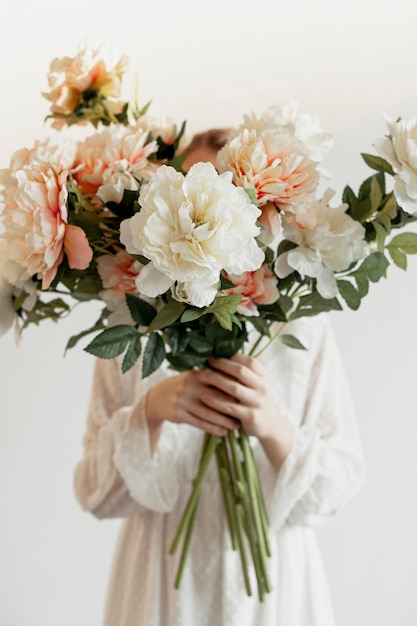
<point x="153" y="418"/>
<point x="278" y="443"/>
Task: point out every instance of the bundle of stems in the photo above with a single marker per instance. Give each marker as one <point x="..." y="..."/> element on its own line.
<point x="244" y="507"/>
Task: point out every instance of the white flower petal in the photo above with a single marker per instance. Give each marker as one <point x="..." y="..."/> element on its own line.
<point x="151" y="282"/>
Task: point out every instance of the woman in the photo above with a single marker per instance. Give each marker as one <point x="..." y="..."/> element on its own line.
<point x="142" y="446"/>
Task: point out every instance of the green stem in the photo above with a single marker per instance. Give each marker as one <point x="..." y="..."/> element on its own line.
<point x="248" y="515"/>
<point x="228" y="495"/>
<point x="185" y="547"/>
<point x="208" y="452"/>
<point x="256" y="506"/>
<point x="271" y="340"/>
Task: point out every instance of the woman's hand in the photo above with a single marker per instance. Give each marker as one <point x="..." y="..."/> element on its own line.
<point x="233" y="392"/>
<point x="179" y="399"/>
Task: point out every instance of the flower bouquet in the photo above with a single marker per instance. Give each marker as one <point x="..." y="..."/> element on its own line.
<point x="189" y="265"/>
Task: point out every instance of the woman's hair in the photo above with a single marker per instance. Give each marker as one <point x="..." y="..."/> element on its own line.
<point x="213" y="138"/>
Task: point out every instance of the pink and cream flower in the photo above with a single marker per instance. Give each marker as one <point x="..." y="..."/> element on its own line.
<point x="98" y="69"/>
<point x="36" y="224"/>
<point x="113" y="160"/>
<point x="302" y="126"/>
<point x="256" y="288"/>
<point x="118" y="272"/>
<point x="272" y="163"/>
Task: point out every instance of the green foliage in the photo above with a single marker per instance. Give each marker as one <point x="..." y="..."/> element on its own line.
<point x="400" y="246"/>
<point x="141" y="311"/>
<point x="154" y="354"/>
<point x="291" y="341"/>
<point x="111" y="342"/>
<point x="168" y="315"/>
<point x="313" y="304"/>
<point x="377" y="163"/>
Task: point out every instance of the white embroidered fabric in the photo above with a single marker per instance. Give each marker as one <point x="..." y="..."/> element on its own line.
<point x="119" y="477"/>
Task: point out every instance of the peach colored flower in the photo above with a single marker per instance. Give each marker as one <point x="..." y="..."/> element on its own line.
<point x="98" y="69"/>
<point x="302" y="126"/>
<point x="274" y="164"/>
<point x="118" y="272"/>
<point x="36" y="224"/>
<point x="118" y="152"/>
<point x="258" y="287"/>
<point x="60" y="151"/>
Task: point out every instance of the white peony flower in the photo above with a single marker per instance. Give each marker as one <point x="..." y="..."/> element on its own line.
<point x="192" y="227"/>
<point x="400" y="150"/>
<point x="303" y="126"/>
<point x="328" y="244"/>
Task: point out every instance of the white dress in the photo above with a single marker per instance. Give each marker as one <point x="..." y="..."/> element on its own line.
<point x="118" y="477"/>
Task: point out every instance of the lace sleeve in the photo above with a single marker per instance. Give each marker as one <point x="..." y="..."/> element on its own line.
<point x="325" y="466"/>
<point x="118" y="476"/>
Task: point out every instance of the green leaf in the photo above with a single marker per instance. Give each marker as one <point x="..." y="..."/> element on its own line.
<point x="154" y="354"/>
<point x="223" y="307"/>
<point x="349" y="198"/>
<point x="76" y="338"/>
<point x="362" y="283"/>
<point x="350" y="295"/>
<point x="192" y="314"/>
<point x="169" y="314"/>
<point x="375" y="195"/>
<point x="398" y="257"/>
<point x="112" y="341"/>
<point x="141" y="311"/>
<point x="184" y="362"/>
<point x="373" y="267"/>
<point x="291" y="342"/>
<point x="389" y="206"/>
<point x="381" y="234"/>
<point x="406" y="242"/>
<point x="313" y="304"/>
<point x="199" y="343"/>
<point x="177" y="338"/>
<point x="377" y="163"/>
<point x="133" y="352"/>
<point x="285" y="245"/>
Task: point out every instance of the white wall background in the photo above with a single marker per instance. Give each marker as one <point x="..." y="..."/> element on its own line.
<point x="210" y="62"/>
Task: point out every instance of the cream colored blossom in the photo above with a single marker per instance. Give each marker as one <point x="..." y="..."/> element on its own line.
<point x="400" y="150"/>
<point x="94" y="68"/>
<point x="159" y="126"/>
<point x="328" y="245"/>
<point x="272" y="163"/>
<point x="302" y="126"/>
<point x="36" y="224"/>
<point x="190" y="228"/>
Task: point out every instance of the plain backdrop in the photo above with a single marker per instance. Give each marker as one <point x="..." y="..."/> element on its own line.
<point x="209" y="63"/>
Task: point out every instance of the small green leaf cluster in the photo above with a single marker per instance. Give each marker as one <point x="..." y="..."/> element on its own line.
<point x="183" y="335"/>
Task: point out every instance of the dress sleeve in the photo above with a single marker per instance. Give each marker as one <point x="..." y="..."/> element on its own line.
<point x="117" y="475"/>
<point x="325" y="466"/>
